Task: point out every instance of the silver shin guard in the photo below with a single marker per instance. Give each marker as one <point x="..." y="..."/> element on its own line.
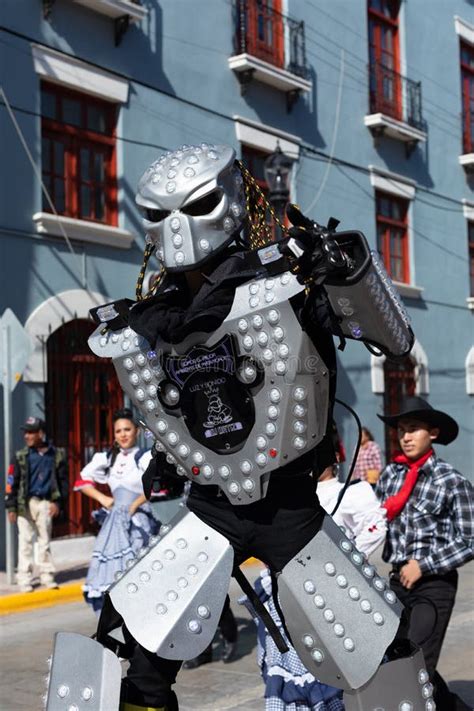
<point x="399" y="685"/>
<point x="83" y="675"/>
<point x="340" y="614"/>
<point x="172" y="597"/>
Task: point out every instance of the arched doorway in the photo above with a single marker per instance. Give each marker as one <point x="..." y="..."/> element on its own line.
<point x="400" y="381"/>
<point x="82" y="392"/>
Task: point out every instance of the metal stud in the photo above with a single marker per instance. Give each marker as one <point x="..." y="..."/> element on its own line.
<point x="348" y="644"/>
<point x="339" y="630"/>
<point x="172" y="595"/>
<point x="202" y="557"/>
<point x="307" y="640"/>
<point x="132" y="588"/>
<point x="354" y="593"/>
<point x="275" y="395"/>
<point x="378" y="618"/>
<point x="87" y="693"/>
<point x="224" y="471"/>
<point x="341" y="580"/>
<point x="157" y="565"/>
<point x="366" y="606"/>
<point x="329" y="615"/>
<point x="317" y="655"/>
<point x="204" y="612"/>
<point x="319" y="601"/>
<point x="243" y="325"/>
<point x="161" y="609"/>
<point x="280" y="367"/>
<point x="309" y="587"/>
<point x="144" y="577"/>
<point x="182" y="583"/>
<point x="62" y="691"/>
<point x="194" y="626"/>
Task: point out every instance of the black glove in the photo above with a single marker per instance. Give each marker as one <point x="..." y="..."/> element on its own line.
<point x="320" y="254"/>
<point x="160" y="480"/>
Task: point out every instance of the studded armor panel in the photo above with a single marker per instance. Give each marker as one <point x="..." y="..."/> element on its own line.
<point x="337" y="608"/>
<point x="172" y="596"/>
<point x="231" y="407"/>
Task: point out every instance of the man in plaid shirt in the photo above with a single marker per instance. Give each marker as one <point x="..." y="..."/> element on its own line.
<point x="430" y="530"/>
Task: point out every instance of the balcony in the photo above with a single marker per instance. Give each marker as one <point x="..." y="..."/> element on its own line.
<point x="269" y="48"/>
<point x="395" y="106"/>
<point x="122" y="12"/>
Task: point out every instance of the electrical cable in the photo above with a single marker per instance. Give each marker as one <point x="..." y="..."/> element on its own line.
<point x="334" y="137"/>
<point x="37" y="172"/>
<point x="354" y="456"/>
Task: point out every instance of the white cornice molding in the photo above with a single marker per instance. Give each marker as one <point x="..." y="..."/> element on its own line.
<point x="60" y="68"/>
<point x="264" y="138"/>
<point x="468" y="209"/>
<point x="82" y="230"/>
<point x="116" y="8"/>
<point x="393" y="183"/>
<point x="464" y="29"/>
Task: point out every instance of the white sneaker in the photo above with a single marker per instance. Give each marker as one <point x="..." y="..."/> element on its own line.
<point x="26" y="588"/>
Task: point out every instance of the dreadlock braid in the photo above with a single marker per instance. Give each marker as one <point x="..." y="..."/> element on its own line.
<point x="261" y="232"/>
<point x="139" y="286"/>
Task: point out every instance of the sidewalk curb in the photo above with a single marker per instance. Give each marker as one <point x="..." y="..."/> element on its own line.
<point x="66" y="593"/>
<point x="24" y="602"/>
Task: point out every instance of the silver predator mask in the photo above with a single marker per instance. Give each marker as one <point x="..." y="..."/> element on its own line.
<point x="193" y="203"/>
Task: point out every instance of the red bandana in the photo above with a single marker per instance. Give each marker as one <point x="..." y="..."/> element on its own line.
<point x="395" y="504"/>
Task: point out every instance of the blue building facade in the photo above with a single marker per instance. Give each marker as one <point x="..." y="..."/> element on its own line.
<point x="373" y="100"/>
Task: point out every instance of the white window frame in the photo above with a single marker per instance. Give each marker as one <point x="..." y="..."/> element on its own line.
<point x="422" y="372"/>
<point x="48" y="317"/>
<point x="265" y="138"/>
<point x="72" y="73"/>
<point x="470" y="371"/>
<point x="468" y="212"/>
<point x="400" y="186"/>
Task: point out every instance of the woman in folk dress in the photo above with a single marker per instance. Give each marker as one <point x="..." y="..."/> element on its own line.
<point x="128" y="522"/>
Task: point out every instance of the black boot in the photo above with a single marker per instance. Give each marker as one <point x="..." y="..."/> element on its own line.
<point x="203" y="658"/>
<point x="228" y="651"/>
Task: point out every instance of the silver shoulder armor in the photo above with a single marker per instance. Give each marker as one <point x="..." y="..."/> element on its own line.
<point x="367" y="303"/>
<point x="337" y="608"/>
<point x="230" y="407"/>
<point x="172" y="597"/>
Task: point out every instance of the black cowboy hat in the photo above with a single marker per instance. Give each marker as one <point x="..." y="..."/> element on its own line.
<point x="418" y="409"/>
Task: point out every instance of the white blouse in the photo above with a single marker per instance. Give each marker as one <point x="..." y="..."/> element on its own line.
<point x="126" y="472"/>
<point x="360" y="512"/>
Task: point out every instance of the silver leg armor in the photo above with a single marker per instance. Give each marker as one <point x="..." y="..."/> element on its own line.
<point x="399" y="685"/>
<point x="83" y="675"/>
<point x="172" y="597"/>
<point x="340" y="614"/>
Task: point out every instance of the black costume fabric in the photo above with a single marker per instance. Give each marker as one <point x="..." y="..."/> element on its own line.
<point x="275" y="528"/>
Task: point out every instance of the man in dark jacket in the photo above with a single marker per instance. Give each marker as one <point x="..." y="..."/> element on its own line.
<point x="37" y="486"/>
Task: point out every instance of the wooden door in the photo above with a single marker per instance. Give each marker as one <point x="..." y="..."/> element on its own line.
<point x="82" y="393"/>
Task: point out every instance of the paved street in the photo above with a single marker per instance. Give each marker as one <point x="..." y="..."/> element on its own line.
<point x="27" y="638"/>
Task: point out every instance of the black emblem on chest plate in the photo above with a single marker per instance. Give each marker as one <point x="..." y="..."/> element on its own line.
<point x="217" y="406"/>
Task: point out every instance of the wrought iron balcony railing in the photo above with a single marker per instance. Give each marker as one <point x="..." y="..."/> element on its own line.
<point x="266" y="34"/>
<point x="395" y="95"/>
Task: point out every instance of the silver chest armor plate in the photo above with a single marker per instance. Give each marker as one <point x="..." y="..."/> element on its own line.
<point x="230" y="407"/>
<point x="172" y="597"/>
<point x="340" y="614"/>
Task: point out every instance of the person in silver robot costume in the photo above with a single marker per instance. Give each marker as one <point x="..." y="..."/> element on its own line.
<point x="231" y="363"/>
